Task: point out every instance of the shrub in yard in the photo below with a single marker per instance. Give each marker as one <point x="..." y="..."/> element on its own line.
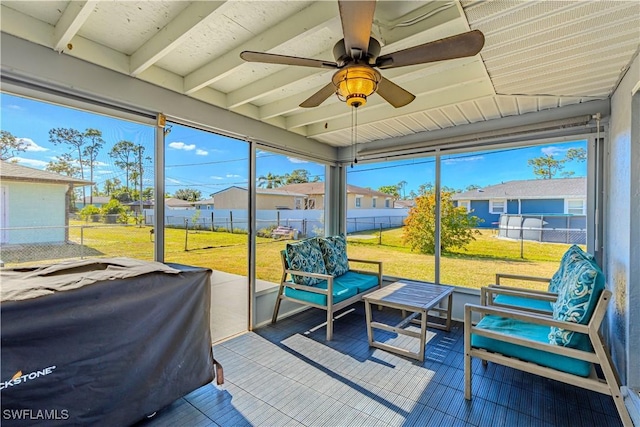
<point x="457" y="227"/>
<point x="266" y="231"/>
<point x="90" y="212"/>
<point x="112" y="211"/>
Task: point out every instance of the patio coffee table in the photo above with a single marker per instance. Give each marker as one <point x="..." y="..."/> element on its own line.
<point x="409" y="296"/>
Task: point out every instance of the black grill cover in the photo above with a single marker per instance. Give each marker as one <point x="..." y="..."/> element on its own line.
<point x="101" y="342"/>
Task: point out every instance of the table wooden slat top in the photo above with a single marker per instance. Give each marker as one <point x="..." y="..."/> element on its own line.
<point x="416" y="297"/>
<point x="412" y="295"/>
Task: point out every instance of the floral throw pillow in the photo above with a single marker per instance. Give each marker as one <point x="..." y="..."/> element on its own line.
<point x="305" y="256"/>
<point x="334" y="253"/>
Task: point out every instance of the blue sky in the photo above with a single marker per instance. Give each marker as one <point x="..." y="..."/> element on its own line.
<point x="210" y="163"/>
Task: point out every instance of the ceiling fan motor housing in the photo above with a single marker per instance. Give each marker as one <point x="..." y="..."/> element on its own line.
<point x="343" y="58"/>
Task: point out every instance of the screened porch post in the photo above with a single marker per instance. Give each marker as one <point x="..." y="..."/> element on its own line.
<point x="335" y="209"/>
<point x="159" y="189"/>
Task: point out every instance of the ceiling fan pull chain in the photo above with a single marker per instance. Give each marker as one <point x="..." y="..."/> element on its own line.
<point x="355" y="132"/>
<point x="353" y="153"/>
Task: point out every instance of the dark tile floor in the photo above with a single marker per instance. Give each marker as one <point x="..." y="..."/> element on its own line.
<point x="288" y="375"/>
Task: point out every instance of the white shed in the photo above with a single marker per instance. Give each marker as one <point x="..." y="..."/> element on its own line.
<point x="34" y="198"/>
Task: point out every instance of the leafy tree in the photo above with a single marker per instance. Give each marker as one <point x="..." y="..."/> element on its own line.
<point x="547" y="166"/>
<point x="457" y="228"/>
<point x="10" y="145"/>
<point x="124" y="155"/>
<point x="138" y="172"/>
<point x="111" y="187"/>
<point x="188" y="194"/>
<point x="299" y="176"/>
<point x="122" y="195"/>
<point x="392" y="190"/>
<point x="270" y="180"/>
<point x="76" y="141"/>
<point x="471" y="187"/>
<point x="397" y="191"/>
<point x="91" y="150"/>
<point x="147" y="193"/>
<point x="64" y="165"/>
<point x="422" y="189"/>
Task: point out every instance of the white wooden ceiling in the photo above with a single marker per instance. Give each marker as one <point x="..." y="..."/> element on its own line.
<point x="538" y="55"/>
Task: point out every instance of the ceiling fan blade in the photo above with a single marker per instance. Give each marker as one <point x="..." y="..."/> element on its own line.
<point x="271" y="58"/>
<point x="458" y="46"/>
<point x="394" y="94"/>
<point x="356" y="17"/>
<point x="319" y="97"/>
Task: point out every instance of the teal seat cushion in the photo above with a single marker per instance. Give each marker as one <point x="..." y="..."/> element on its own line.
<point x="577" y="301"/>
<point x="531" y="331"/>
<point x="306" y="256"/>
<point x="334" y="254"/>
<point x="516" y="301"/>
<point x="358" y="281"/>
<point x="340" y="293"/>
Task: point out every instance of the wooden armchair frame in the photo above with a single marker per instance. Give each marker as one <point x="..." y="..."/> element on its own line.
<point x="488" y="293"/>
<point x="331" y="307"/>
<point x="609" y="386"/>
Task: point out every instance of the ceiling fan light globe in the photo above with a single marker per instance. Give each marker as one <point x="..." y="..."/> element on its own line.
<point x="355" y="83"/>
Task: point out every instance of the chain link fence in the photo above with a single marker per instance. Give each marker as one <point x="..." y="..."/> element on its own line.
<point x="33" y="245"/>
<point x="355" y="225"/>
<point x="570" y="229"/>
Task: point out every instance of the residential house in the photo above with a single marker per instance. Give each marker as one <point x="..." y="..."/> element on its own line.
<point x="404" y="204"/>
<point x="266" y="199"/>
<point x="34" y="198"/>
<point x="173" y="203"/>
<point x="96" y="201"/>
<point x="207" y="204"/>
<point x="357" y="197"/>
<point x="549" y="210"/>
<point x="135" y="205"/>
<point x="559" y="196"/>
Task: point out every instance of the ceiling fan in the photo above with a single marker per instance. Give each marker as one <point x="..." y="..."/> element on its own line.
<point x="357" y="60"/>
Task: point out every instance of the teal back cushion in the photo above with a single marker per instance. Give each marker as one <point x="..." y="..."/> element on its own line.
<point x="576" y="302"/>
<point x="306" y="256"/>
<point x="334" y="254"/>
<point x="573" y="254"/>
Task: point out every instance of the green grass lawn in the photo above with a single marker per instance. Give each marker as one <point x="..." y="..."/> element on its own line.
<point x="474" y="266"/>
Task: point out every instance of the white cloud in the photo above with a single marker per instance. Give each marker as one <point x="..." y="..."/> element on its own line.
<point x="294" y="160"/>
<point x="462" y="159"/>
<point x="553" y="151"/>
<point x="182" y="146"/>
<point x="103" y="172"/>
<point x="200" y="152"/>
<point x="230" y="175"/>
<point x="31" y="146"/>
<point x="216" y="177"/>
<point x="31" y="162"/>
<point x="15" y="107"/>
<point x="174" y="181"/>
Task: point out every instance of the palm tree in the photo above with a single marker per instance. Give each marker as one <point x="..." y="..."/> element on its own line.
<point x="270" y="181"/>
<point x="401" y="186"/>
